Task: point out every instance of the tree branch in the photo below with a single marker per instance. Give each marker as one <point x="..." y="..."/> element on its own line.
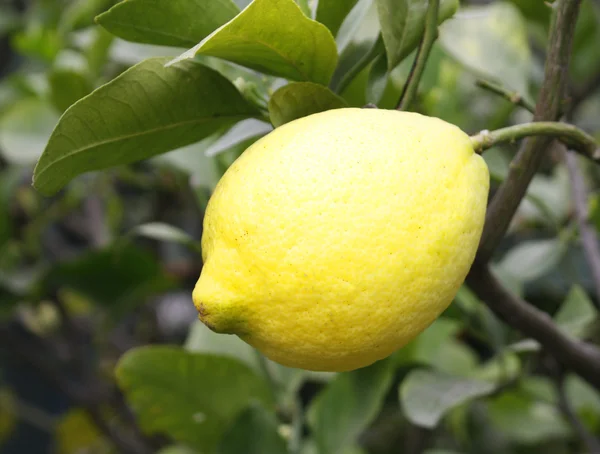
<point x="574" y="137"/>
<point x="582" y="358"/>
<point x="512" y="96"/>
<point x="528" y="159"/>
<point x="412" y="83"/>
<point x="587" y="232"/>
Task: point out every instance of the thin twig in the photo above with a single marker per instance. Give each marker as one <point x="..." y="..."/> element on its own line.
<point x="587" y="232"/>
<point x="548" y="108"/>
<point x="375" y="50"/>
<point x="412" y="83"/>
<point x="576" y="138"/>
<point x="512" y="96"/>
<point x="591" y="443"/>
<point x="582" y="358"/>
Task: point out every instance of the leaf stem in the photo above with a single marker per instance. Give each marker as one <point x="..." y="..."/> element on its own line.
<point x="512" y="96"/>
<point x="574" y="137"/>
<point x="372" y="54"/>
<point x="412" y="83"/>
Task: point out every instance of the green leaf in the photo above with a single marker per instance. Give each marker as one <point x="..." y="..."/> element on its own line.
<point x="577" y="314"/>
<point x="117" y="277"/>
<point x="25" y="129"/>
<point x="9" y="179"/>
<point x="202" y="340"/>
<point x="492" y="41"/>
<point x="523" y="419"/>
<point x="179" y="23"/>
<point x="191" y="397"/>
<point x="502" y="368"/>
<point x="332" y="13"/>
<point x="253" y="432"/>
<point x="427" y="396"/>
<point x="300" y="99"/>
<point x="274" y="37"/>
<point x="165" y="232"/>
<point x="147" y="110"/>
<point x="532" y="259"/>
<point x="67" y="87"/>
<point x="403" y="24"/>
<point x="348" y="405"/>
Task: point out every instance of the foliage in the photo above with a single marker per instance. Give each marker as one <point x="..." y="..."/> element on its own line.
<point x="124" y="115"/>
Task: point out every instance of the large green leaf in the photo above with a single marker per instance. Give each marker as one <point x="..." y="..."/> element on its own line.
<point x="191" y="397"/>
<point x="299" y="99"/>
<point x="24" y="130"/>
<point x="274" y="37"/>
<point x="577" y="313"/>
<point x="147" y="110"/>
<point x="492" y="41"/>
<point x="403" y="24"/>
<point x="427" y="396"/>
<point x="348" y="404"/>
<point x="253" y="432"/>
<point x="180" y="23"/>
<point x="332" y="13"/>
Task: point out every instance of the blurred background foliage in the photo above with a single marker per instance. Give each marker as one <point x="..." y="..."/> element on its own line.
<point x="95" y="282"/>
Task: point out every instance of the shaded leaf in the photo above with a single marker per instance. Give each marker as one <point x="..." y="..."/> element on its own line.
<point x="180" y="23"/>
<point x="190" y="397"/>
<point x="165" y="232"/>
<point x="521" y="418"/>
<point x="67" y="87"/>
<point x="403" y="24"/>
<point x="76" y="433"/>
<point x="253" y="432"/>
<point x="576" y="315"/>
<point x="114" y="277"/>
<point x="426" y="396"/>
<point x="300" y="99"/>
<point x="347" y="406"/>
<point x="274" y="37"/>
<point x="532" y="259"/>
<point x="147" y="110"/>
<point x="332" y="13"/>
<point x="492" y="41"/>
<point x="25" y="129"/>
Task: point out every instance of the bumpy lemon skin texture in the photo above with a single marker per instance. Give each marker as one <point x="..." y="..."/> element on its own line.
<point x="339" y="237"/>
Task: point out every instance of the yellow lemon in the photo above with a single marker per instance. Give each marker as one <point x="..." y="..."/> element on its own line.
<point x="338" y="237"/>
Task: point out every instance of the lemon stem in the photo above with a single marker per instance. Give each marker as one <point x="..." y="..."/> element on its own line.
<point x="570" y="135"/>
<point x="431" y="30"/>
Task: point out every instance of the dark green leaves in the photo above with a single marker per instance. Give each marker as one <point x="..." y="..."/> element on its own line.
<point x="191" y="397"/>
<point x="180" y="23"/>
<point x="427" y="395"/>
<point x="274" y="37"/>
<point x="147" y="110"/>
<point x="253" y="432"/>
<point x="348" y="405"/>
<point x="403" y="23"/>
<point x="299" y="99"/>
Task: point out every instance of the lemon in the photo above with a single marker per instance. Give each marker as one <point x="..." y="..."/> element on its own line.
<point x="338" y="237"/>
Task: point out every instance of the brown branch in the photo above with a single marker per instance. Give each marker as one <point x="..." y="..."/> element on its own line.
<point x="582" y="358"/>
<point x="587" y="232"/>
<point x="590" y="442"/>
<point x="548" y="108"/>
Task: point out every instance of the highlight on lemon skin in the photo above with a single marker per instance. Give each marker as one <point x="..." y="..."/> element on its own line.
<point x="339" y="237"/>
